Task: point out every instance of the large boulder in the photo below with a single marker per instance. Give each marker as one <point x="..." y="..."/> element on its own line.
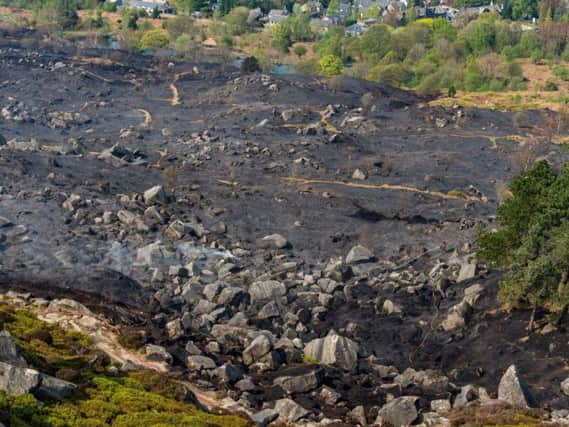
<point x="197" y="363"/>
<point x="9" y="351"/>
<point x="157" y="353"/>
<point x="289" y="410"/>
<point x="155" y="196"/>
<point x="514" y="390"/>
<point x="276" y="240"/>
<point x="54" y="388"/>
<point x="257" y="349"/>
<point x="300" y="383"/>
<point x="267" y="290"/>
<point x="359" y="254"/>
<point x="15" y="380"/>
<point x="398" y="413"/>
<point x="334" y="350"/>
<point x="264" y="417"/>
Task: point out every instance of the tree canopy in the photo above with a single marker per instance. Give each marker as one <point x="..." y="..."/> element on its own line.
<point x="532" y="242"/>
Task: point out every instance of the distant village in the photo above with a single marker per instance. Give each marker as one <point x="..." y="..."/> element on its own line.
<point x="352" y="15"/>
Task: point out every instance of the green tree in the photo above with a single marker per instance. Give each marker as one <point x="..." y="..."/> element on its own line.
<point x="392" y="74"/>
<point x="443" y="29"/>
<point x="522" y="9"/>
<point x="331" y="42"/>
<point x="59" y="13"/>
<point x="532" y="242"/>
<point x="281" y="34"/>
<point x="480" y="36"/>
<point x="236" y="20"/>
<point x="154" y="39"/>
<point x="375" y="43"/>
<point x="300" y="27"/>
<point x="331" y="65"/>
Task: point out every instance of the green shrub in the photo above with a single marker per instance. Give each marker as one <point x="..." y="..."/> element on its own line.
<point x="551" y="86"/>
<point x="154" y="39"/>
<point x="561" y="72"/>
<point x="331" y="65"/>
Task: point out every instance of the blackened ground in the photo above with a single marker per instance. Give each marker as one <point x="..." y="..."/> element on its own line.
<point x="264" y="179"/>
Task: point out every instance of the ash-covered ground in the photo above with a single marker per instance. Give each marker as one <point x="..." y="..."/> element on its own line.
<point x="304" y="249"/>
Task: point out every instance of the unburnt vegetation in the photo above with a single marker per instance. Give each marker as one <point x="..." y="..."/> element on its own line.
<point x="140" y="398"/>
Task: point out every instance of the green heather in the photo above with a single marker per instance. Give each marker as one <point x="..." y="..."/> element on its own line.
<point x="140" y="399"/>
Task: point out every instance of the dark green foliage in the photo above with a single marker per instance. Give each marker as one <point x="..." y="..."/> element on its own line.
<point x="451" y="92"/>
<point x="62" y="14"/>
<point x="551" y="86"/>
<point x="532" y="243"/>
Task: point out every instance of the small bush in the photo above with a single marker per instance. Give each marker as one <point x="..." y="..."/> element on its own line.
<point x="154" y="39"/>
<point x="250" y="65"/>
<point x="551" y="86"/>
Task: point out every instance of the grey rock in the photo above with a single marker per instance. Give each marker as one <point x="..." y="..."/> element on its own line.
<point x="257" y="349"/>
<point x="290" y="410"/>
<point x="267" y="290"/>
<point x="246" y="384"/>
<point x="157" y="353"/>
<point x="453" y="321"/>
<point x="264" y="417"/>
<point x="398" y="413"/>
<point x="228" y="373"/>
<point x="269" y="311"/>
<point x="328" y="285"/>
<point x="467" y="394"/>
<point x="175" y="329"/>
<point x="155" y="195"/>
<point x="212" y="290"/>
<point x="197" y="363"/>
<point x="9" y="351"/>
<point x="54" y="388"/>
<point x="359" y="175"/>
<point x="467" y="272"/>
<point x="291" y="114"/>
<point x="15" y="380"/>
<point x="514" y="390"/>
<point x="390" y="308"/>
<point x="233" y="296"/>
<point x="192" y="349"/>
<point x="300" y="383"/>
<point x="330" y="396"/>
<point x="473" y="293"/>
<point x="358" y="414"/>
<point x="334" y="350"/>
<point x="565" y="386"/>
<point x="277" y="241"/>
<point x="359" y="254"/>
<point x="440" y="406"/>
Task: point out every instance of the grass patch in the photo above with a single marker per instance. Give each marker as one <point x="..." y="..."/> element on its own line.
<point x="496" y="415"/>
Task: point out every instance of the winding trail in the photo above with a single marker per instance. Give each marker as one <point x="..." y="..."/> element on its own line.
<point x="307" y="181"/>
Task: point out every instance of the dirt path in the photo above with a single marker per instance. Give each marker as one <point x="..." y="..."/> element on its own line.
<point x="307" y="181"/>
